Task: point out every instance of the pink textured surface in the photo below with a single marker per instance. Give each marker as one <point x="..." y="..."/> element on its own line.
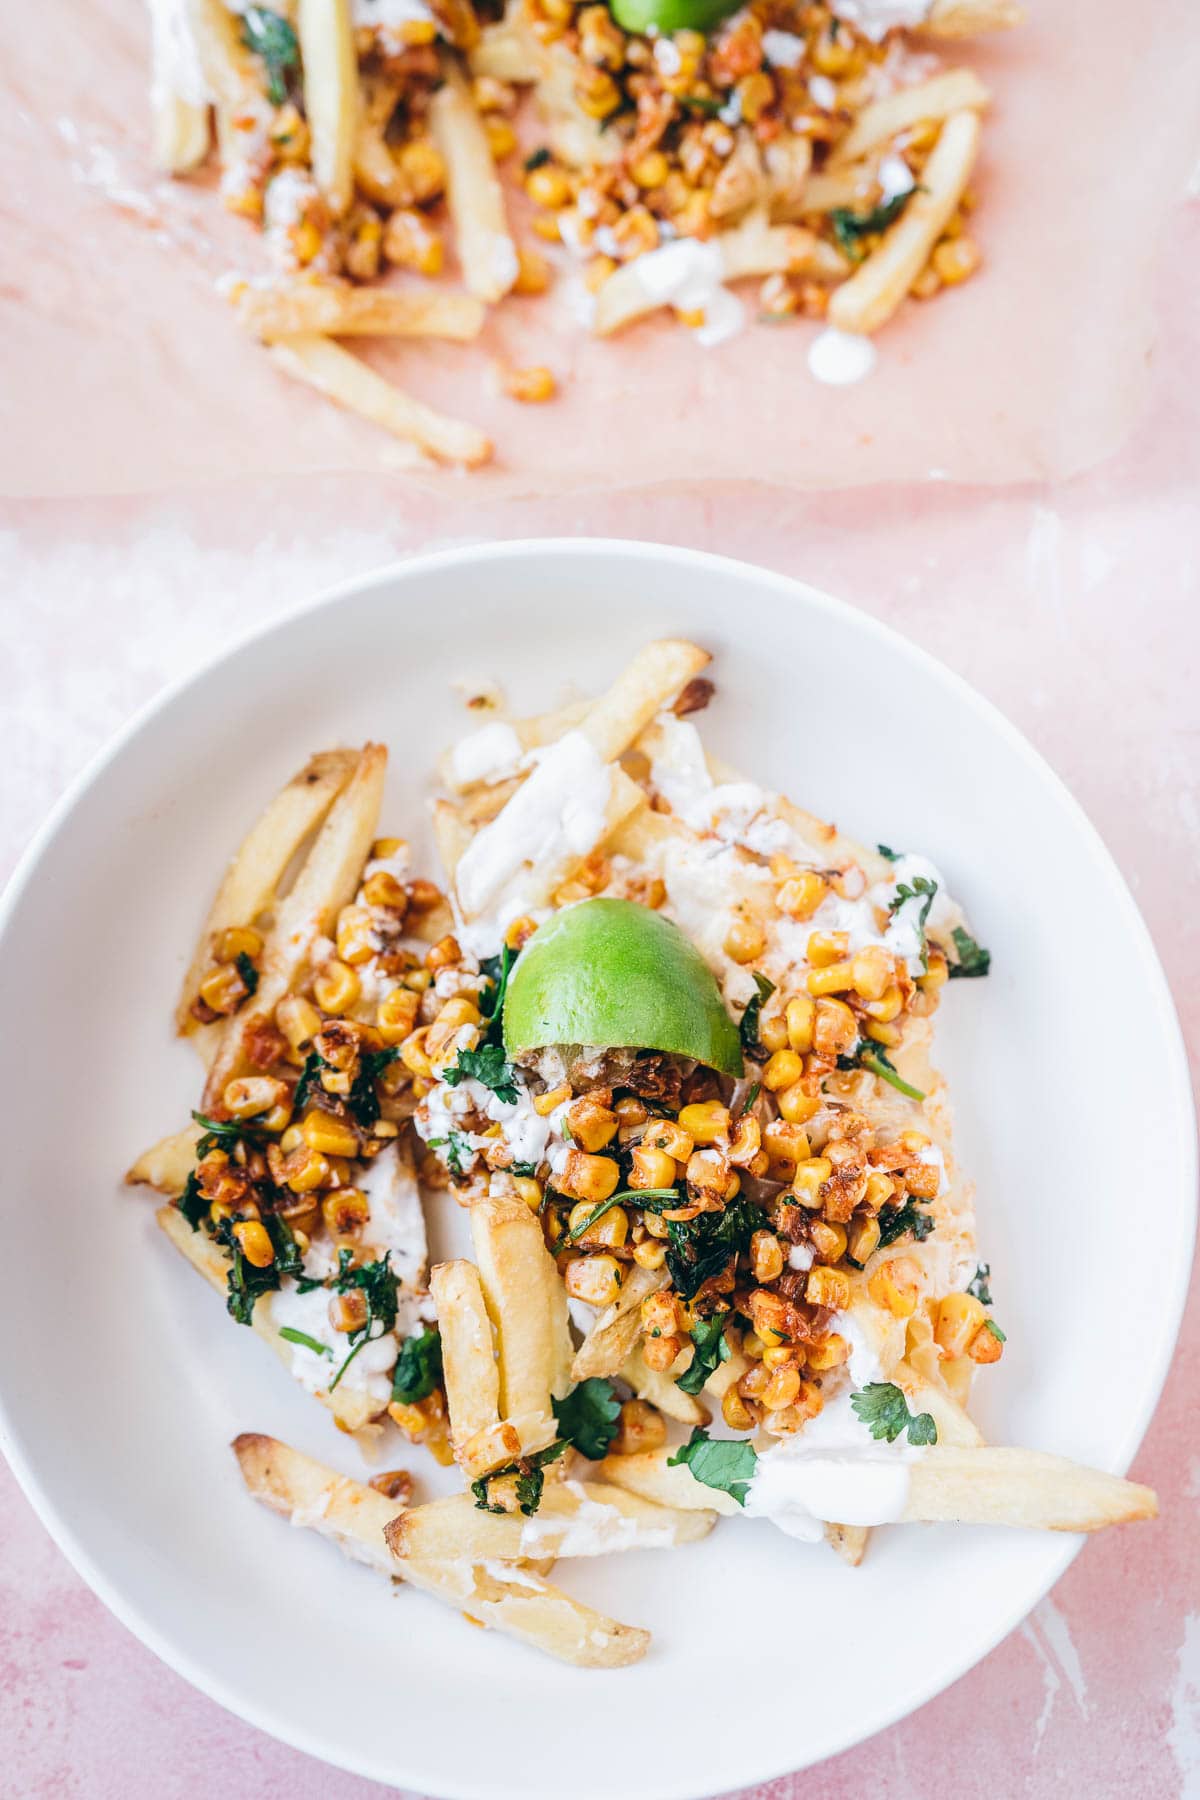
<point x="1076" y="609"/>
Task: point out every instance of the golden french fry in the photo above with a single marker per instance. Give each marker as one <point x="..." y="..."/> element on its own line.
<point x="527" y="1304"/>
<point x="342" y="378"/>
<point x="182" y="133"/>
<point x="657" y="1387"/>
<point x="955" y="90"/>
<point x="283" y="308"/>
<point x="349" y="1513"/>
<point x="498" y="1445"/>
<point x="468" y="1353"/>
<point x="649" y="1474"/>
<point x="326" y="883"/>
<point x="166" y="1165"/>
<point x="1028" y="1488"/>
<point x="754" y="247"/>
<point x="616" y="1331"/>
<point x="473" y="192"/>
<point x="645" y="685"/>
<point x="573" y="1519"/>
<point x="506" y="51"/>
<point x="326" y="33"/>
<point x="848" y="1541"/>
<point x="968" y="18"/>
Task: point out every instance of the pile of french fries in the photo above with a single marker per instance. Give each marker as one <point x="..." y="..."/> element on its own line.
<point x="509" y="1352"/>
<point x="771" y="197"/>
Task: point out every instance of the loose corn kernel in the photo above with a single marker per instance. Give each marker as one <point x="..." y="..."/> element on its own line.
<point x="887" y="1035"/>
<point x="640" y="1426"/>
<point x="382" y="889"/>
<point x="894" y="1285"/>
<point x="766" y="1256"/>
<point x="336" y="987"/>
<point x="355" y="942"/>
<point x="546" y="226"/>
<point x="657" y="1227"/>
<point x="651" y="1168"/>
<point x="746" y="1142"/>
<point x="518" y="934"/>
<point x="985" y="1346"/>
<point x="610" y="1230"/>
<point x="781" y="1070"/>
<point x="835" y="1029"/>
<point x="502" y="139"/>
<point x="444" y="954"/>
<point x="888" y="1007"/>
<point x="529" y="1190"/>
<point x="393" y="1484"/>
<point x="800" y="1015"/>
<point x="410" y="241"/>
<point x="412" y="1053"/>
<point x="292" y="1138"/>
<point x="834" y="978"/>
<point x="745" y="941"/>
<point x="772" y="1031"/>
<point x="278" y="1116"/>
<point x="587" y="1177"/>
<point x="923" y="1180"/>
<point x="237" y="940"/>
<point x="419" y="980"/>
<point x="709" y="1177"/>
<point x="829" y="1241"/>
<point x="808" y="1179"/>
<point x="650" y="170"/>
<point x="345" y="1212"/>
<point x="801" y="894"/>
<point x="305" y="1169"/>
<point x="461" y="1010"/>
<point x="863" y="1239"/>
<point x="665" y="1134"/>
<point x="630" y="1111"/>
<point x="596" y="1279"/>
<point x="397" y="1015"/>
<point x="422" y="169"/>
<point x="255" y="1243"/>
<point x="956" y="260"/>
<point x="658" y="1353"/>
<point x="769" y="1314"/>
<point x="797" y="1106"/>
<point x="786" y="1144"/>
<point x="829" y="1353"/>
<point x="298" y="1019"/>
<point x="330" y="1135"/>
<point x="828" y="1287"/>
<point x="826" y="947"/>
<point x="959" y="1317"/>
<point x="660" y="1314"/>
<point x="706" y="1122"/>
<point x="223" y="990"/>
<point x="548" y="186"/>
<point x="532" y="385"/>
<point x="348" y="1311"/>
<point x="250" y="1095"/>
<point x="533" y="272"/>
<point x="735" y="1412"/>
<point x="779" y="1356"/>
<point x="544" y="1104"/>
<point x="871" y="970"/>
<point x="649" y="1255"/>
<point x="592" y="1125"/>
<point x="782" y="1388"/>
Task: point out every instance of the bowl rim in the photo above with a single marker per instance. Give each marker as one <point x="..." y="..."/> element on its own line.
<point x="1176" y="1083"/>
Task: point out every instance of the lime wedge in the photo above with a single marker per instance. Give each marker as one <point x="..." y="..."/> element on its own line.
<point x="667" y="16"/>
<point x="616" y="975"/>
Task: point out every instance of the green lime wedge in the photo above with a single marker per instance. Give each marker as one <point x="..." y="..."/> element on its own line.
<point x="614" y="974"/>
<point x="667" y="16"/>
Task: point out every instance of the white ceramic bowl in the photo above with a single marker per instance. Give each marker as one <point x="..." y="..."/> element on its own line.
<point x="122" y="1382"/>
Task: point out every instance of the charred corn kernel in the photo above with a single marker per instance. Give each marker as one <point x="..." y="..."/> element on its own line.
<point x="835" y="1029"/>
<point x="894" y="1287"/>
<point x="397" y="1015"/>
<point x="444" y="954"/>
<point x="808" y="1179"/>
<point x="658" y="1353"/>
<point x="800" y="1015"/>
<point x="827" y="947"/>
<point x="412" y="1053"/>
<point x="592" y="1126"/>
<point x="786" y="1143"/>
<point x="518" y="934"/>
<point x="888" y="1007"/>
<point x="829" y="1241"/>
<point x="255" y="1243"/>
<point x="238" y="940"/>
<point x="529" y="1190"/>
<point x="548" y="186"/>
<point x="745" y="941"/>
<point x="412" y="242"/>
<point x="330" y="1135"/>
<point x="533" y="385"/>
<point x="492" y="95"/>
<point x="781" y="1070"/>
<point x="355" y="941"/>
<point x="797" y="1106"/>
<point x="443" y="1042"/>
<point x="955" y="260"/>
<point x="781" y="1389"/>
<point x="651" y="1168"/>
<point x="422" y="170"/>
<point x="770" y="1316"/>
<point x="985" y="1346"/>
<point x="746" y="1142"/>
<point x="610" y="1230"/>
<point x="419" y="980"/>
<point x="660" y="1314"/>
<point x="923" y="1180"/>
<point x="779" y="1356"/>
<point x="800" y="896"/>
<point x="835" y="978"/>
<point x="862" y="1239"/>
<point x="871" y="971"/>
<point x="533" y="272"/>
<point x="382" y="889"/>
<point x="649" y="1255"/>
<point x="278" y="1116"/>
<point x="887" y="1035"/>
<point x="829" y="1353"/>
<point x="597" y="95"/>
<point x="651" y="170"/>
<point x="828" y="1287"/>
<point x="250" y="1095"/>
<point x="385" y="848"/>
<point x="936" y="974"/>
<point x="585" y="1177"/>
<point x="665" y="1134"/>
<point x="597" y="271"/>
<point x="292" y="1138"/>
<point x="345" y="1212"/>
<point x="298" y="1020"/>
<point x="546" y="226"/>
<point x="461" y="1010"/>
<point x="709" y="1176"/>
<point x="336" y="987"/>
<point x="223" y="990"/>
<point x="393" y="1484"/>
<point x="502" y="139"/>
<point x="752" y="1345"/>
<point x="959" y="1317"/>
<point x="657" y="1228"/>
<point x="640" y="1426"/>
<point x="706" y="1122"/>
<point x="596" y="1279"/>
<point x="832" y="51"/>
<point x="914" y="1141"/>
<point x="544" y="1104"/>
<point x="772" y="1032"/>
<point x="735" y="1412"/>
<point x="348" y="1311"/>
<point x="766" y="1256"/>
<point x="630" y="1111"/>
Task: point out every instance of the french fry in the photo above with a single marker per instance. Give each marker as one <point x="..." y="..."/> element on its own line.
<point x="506" y="51"/>
<point x="876" y="289"/>
<point x="502" y="1596"/>
<point x="498" y="1445"/>
<point x="282" y="309"/>
<point x="326" y="33"/>
<point x="166" y="1165"/>
<point x="182" y="133"/>
<point x="261" y="860"/>
<point x="451" y="834"/>
<point x="612" y="1338"/>
<point x="473" y="192"/>
<point x="342" y="378"/>
<point x="527" y="1304"/>
<point x="956" y="90"/>
<point x="574" y="1519"/>
<point x="468" y="1355"/>
<point x="658" y="672"/>
<point x="649" y="1474"/>
<point x="325" y="884"/>
<point x="376" y="170"/>
<point x="848" y="1541"/>
<point x="351" y="1407"/>
<point x="1027" y="1488"/>
<point x="227" y="66"/>
<point x="656" y="1386"/>
<point x="969" y="18"/>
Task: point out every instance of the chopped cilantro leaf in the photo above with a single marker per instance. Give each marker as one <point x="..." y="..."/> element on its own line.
<point x="991" y="1325"/>
<point x="491" y="1002"/>
<point x="886" y="850"/>
<point x="379" y="1285"/>
<point x="248" y="972"/>
<point x="727" y="1464"/>
<point x="362" y="1102"/>
<point x="587" y="1417"/>
<point x="867" y="1054"/>
<point x="973" y="959"/>
<point x="635" y="1196"/>
<point x="302" y="1337"/>
<point x="244" y="1284"/>
<point x="488" y="1065"/>
<point x="270" y="36"/>
<point x="288" y="1260"/>
<point x="884" y="1411"/>
<point x="537" y="159"/>
<point x="748" y="1024"/>
<point x="850" y="227"/>
<point x="699" y="1248"/>
<point x="456" y="1147"/>
<point x="418" y="1367"/>
<point x="903" y="1221"/>
<point x="920" y="889"/>
<point x="223" y="1133"/>
<point x="978" y="1284"/>
<point x="712" y="1348"/>
<point x="530" y="1480"/>
<point x="192" y="1204"/>
<point x="314" y="1062"/>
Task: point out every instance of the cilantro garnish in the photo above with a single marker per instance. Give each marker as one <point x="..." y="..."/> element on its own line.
<point x="884" y="1411"/>
<point x="497" y="969"/>
<point x="921" y="889"/>
<point x="587" y="1417"/>
<point x="244" y="1284"/>
<point x="991" y="1325"/>
<point x="903" y="1221"/>
<point x="488" y="1065"/>
<point x="362" y="1101"/>
<point x="748" y="1024"/>
<point x="270" y="36"/>
<point x="724" y="1463"/>
<point x="699" y="1248"/>
<point x="537" y="159"/>
<point x="850" y="227"/>
<point x="314" y="1062"/>
<point x="712" y="1348"/>
<point x="223" y="1134"/>
<point x="247" y="971"/>
<point x="978" y="1284"/>
<point x="886" y="850"/>
<point x="418" y="1367"/>
<point x="302" y="1337"/>
<point x="192" y="1204"/>
<point x="530" y="1480"/>
<point x="379" y="1285"/>
<point x="973" y="959"/>
<point x="867" y="1054"/>
<point x="638" y="1197"/>
<point x="457" y="1146"/>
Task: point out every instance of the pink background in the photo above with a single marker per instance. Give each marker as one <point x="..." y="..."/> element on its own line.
<point x="1075" y="607"/>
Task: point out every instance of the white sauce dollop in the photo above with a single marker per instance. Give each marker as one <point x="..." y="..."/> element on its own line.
<point x="839" y="358"/>
<point x="689" y="275"/>
<point x="875" y="18"/>
<point x="371" y="1369"/>
<point x="831" y="1470"/>
<point x="783" y="49"/>
<point x="490" y="754"/>
<point x="593" y="1530"/>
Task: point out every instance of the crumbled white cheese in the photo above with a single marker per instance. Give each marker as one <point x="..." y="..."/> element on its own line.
<point x="558" y="812"/>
